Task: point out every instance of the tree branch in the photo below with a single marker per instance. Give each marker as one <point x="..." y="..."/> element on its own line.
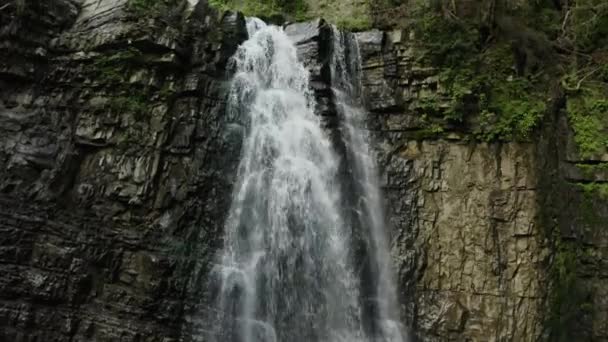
<point x="580" y="82"/>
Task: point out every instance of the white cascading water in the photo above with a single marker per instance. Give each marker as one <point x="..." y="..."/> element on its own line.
<point x="286" y="270"/>
<point x="367" y="202"/>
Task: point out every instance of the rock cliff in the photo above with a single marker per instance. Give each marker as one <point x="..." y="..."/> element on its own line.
<point x="117" y="161"/>
<point x="492" y="241"/>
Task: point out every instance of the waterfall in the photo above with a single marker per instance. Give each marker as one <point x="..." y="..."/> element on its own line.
<point x="366" y="200"/>
<point x="286" y="272"/>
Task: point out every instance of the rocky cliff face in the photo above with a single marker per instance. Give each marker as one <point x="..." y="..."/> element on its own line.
<point x="116" y="164"/>
<point x="467" y="247"/>
<point x="495" y="241"/>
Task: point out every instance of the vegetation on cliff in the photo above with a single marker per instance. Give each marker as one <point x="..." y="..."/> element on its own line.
<point x="507" y="65"/>
<point x="587" y="110"/>
<point x="267" y="9"/>
<point x="502" y="62"/>
<point x="584" y="40"/>
<point x="569" y="303"/>
<point x="479" y="78"/>
<point x="147" y="7"/>
<point x="355" y="16"/>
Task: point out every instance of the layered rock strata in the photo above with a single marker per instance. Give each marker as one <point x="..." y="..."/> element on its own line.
<point x="116" y="161"/>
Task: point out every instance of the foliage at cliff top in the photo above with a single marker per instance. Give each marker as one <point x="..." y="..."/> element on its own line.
<point x="585" y="36"/>
<point x="491" y="79"/>
<point x="347" y="14"/>
<point x="501" y="65"/>
<point x="266" y="9"/>
<point x="498" y="61"/>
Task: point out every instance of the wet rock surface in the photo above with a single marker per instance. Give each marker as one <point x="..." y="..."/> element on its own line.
<point x="116" y="168"/>
<point x="313" y="40"/>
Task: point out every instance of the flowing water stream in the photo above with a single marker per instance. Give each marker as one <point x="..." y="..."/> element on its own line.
<point x="287" y="270"/>
<point x="366" y="199"/>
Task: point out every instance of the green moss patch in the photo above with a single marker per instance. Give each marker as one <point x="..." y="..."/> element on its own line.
<point x="136" y="104"/>
<point x="480" y="80"/>
<point x="588" y="115"/>
<point x="568" y="300"/>
<point x="346" y="14"/>
<point x="147" y="8"/>
<point x="114" y="67"/>
<point x="112" y="71"/>
<point x="354" y="24"/>
<point x="595" y="191"/>
<point x="296" y="9"/>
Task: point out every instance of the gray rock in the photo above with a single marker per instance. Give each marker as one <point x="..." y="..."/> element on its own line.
<point x="95" y="148"/>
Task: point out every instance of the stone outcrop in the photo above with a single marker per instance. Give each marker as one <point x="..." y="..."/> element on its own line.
<point x="466" y="245"/>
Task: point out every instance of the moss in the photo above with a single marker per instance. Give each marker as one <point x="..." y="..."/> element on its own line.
<point x="136" y="104"/>
<point x="430" y="106"/>
<point x="114" y="67"/>
<point x="594" y="191"/>
<point x="295" y="9"/>
<point x="167" y="91"/>
<point x="570" y="300"/>
<point x="512" y="112"/>
<point x="431" y="128"/>
<point x="480" y="80"/>
<point x="586" y="30"/>
<point x="566" y="299"/>
<point x="345" y="14"/>
<point x="588" y="115"/>
<point x="146" y="8"/>
<point x="591" y="170"/>
<point x="586" y="80"/>
<point x="112" y="70"/>
<point x="355" y="23"/>
<point x="589" y="216"/>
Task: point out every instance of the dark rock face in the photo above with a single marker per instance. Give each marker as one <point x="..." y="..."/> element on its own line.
<point x="313" y="40"/>
<point x="115" y="167"/>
